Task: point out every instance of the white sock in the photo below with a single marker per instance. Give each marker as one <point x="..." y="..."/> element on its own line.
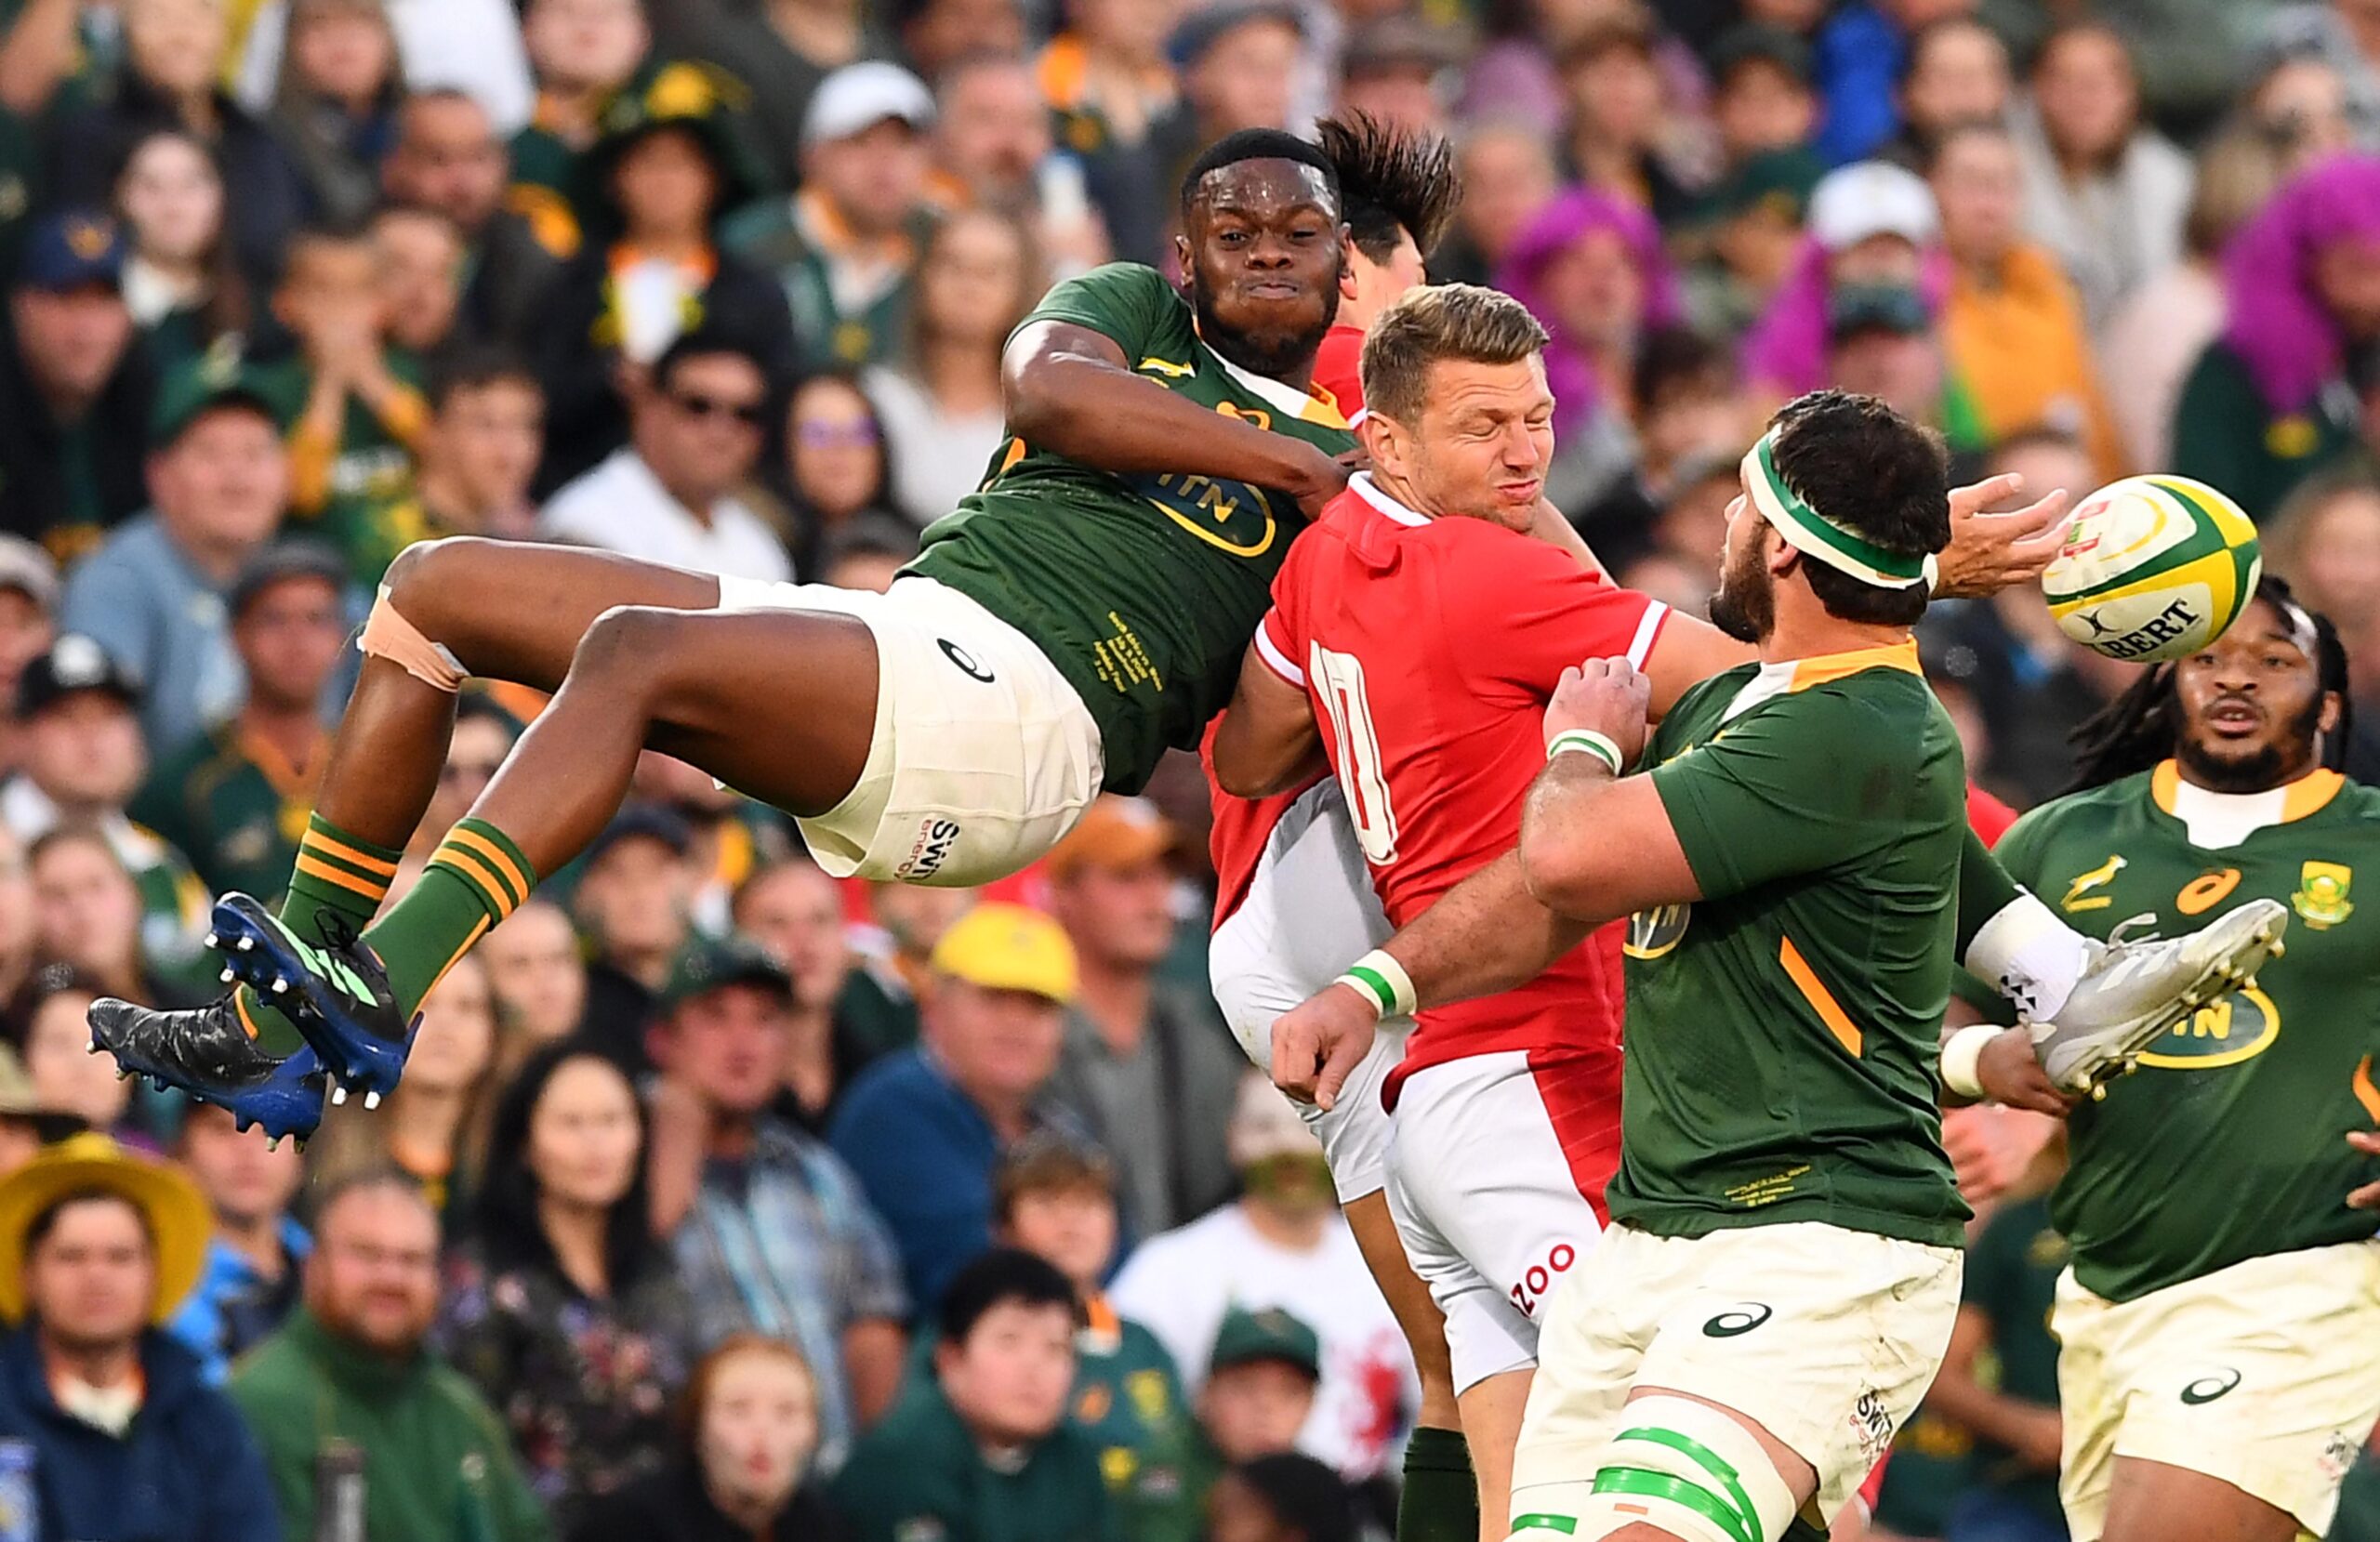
<point x="2029" y="956"/>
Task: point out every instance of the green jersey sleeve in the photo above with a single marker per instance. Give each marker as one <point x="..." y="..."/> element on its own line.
<point x="1765" y="797"/>
<point x="1124" y="303"/>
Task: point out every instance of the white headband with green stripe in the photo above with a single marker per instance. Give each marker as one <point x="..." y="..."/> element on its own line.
<point x="1820" y="538"/>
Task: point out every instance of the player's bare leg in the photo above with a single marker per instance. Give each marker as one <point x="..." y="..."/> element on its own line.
<point x="1421" y="1515"/>
<point x="1492" y="1422"/>
<point x="2154" y="1502"/>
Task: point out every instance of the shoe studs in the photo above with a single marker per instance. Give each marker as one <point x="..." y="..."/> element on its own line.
<point x="339" y="1096"/>
<point x="246" y="944"/>
<point x="371" y="1099"/>
<point x="213" y="941"/>
<point x="226" y="976"/>
<point x="280" y="985"/>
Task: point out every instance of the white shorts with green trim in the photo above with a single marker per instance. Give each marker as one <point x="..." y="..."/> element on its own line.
<point x="2265" y="1375"/>
<point x="1824" y="1337"/>
<point x="982" y="755"/>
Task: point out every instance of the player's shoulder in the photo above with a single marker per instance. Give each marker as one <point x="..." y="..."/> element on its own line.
<point x="2357" y="803"/>
<point x="2092" y="807"/>
<point x="1110" y="292"/>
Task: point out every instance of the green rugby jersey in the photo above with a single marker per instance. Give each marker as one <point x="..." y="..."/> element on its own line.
<point x="1144" y="590"/>
<point x="1782" y="1029"/>
<point x="2231" y="1140"/>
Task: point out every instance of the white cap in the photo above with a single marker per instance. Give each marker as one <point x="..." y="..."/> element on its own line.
<point x="1871" y="198"/>
<point x="1264" y="1124"/>
<point x="858" y="97"/>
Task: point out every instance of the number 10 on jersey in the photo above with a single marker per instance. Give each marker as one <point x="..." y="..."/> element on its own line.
<point x="1339" y="683"/>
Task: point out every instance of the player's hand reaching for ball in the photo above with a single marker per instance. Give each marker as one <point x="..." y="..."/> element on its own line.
<point x="1988" y="552"/>
<point x="1317" y="1045"/>
<point x="1606" y="696"/>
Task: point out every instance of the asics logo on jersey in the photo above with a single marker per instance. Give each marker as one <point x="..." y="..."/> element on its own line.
<point x="1737" y="1321"/>
<point x="964" y="660"/>
<point x="2206" y="1388"/>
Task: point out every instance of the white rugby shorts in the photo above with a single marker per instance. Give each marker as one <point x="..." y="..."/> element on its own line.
<point x="983" y="754"/>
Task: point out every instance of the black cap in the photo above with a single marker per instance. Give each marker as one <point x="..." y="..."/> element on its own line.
<point x="73" y="663"/>
<point x="649" y="821"/>
<point x="1892" y="308"/>
<point x="276" y="564"/>
<point x="1758" y="40"/>
<point x="714" y="963"/>
<point x="1210" y="24"/>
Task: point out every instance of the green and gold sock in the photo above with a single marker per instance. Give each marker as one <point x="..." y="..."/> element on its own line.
<point x="1441" y="1498"/>
<point x="475" y="880"/>
<point x="335" y="872"/>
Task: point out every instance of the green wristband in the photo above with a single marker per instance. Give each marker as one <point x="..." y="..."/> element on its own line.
<point x="1586" y="740"/>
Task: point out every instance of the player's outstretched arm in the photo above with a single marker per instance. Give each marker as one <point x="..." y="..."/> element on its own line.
<point x="1265" y="741"/>
<point x="1596" y="847"/>
<point x="1484" y="935"/>
<point x="1070" y="389"/>
<point x="1988" y="552"/>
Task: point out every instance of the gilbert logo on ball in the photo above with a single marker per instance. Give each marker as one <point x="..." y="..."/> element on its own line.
<point x="2154" y="568"/>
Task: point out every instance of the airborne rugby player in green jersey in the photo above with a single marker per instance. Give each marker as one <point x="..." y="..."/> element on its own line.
<point x="2220" y="1319"/>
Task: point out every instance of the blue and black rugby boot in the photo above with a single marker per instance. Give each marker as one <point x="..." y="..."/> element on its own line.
<point x="335" y="992"/>
<point x="209" y="1053"/>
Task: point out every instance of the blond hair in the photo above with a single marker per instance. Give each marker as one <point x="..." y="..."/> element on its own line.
<point x="1460" y="321"/>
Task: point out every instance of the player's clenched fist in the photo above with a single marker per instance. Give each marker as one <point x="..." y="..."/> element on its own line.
<point x="1605" y="696"/>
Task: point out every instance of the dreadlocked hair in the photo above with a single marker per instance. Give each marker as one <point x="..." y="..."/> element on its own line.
<point x="2137" y="730"/>
<point x="1391" y="183"/>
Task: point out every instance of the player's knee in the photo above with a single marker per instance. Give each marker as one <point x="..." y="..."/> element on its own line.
<point x="627" y="648"/>
<point x="1677" y="1469"/>
<point x="428" y="569"/>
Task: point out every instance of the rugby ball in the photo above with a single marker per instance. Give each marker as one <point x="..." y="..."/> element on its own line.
<point x="2153" y="567"/>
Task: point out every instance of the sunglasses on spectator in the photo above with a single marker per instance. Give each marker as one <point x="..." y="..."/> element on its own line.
<point x="752" y="415"/>
<point x="835" y="436"/>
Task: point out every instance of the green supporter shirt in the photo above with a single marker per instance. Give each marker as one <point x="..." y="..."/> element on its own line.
<point x="1782" y="1029"/>
<point x="918" y="1476"/>
<point x="1144" y="590"/>
<point x="235" y="808"/>
<point x="2358" y="1516"/>
<point x="2012" y="1279"/>
<point x="438" y="1463"/>
<point x="371" y="463"/>
<point x="2231" y="1140"/>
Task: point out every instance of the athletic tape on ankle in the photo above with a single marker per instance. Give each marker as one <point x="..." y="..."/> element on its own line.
<point x="1382" y="981"/>
<point x="2029" y="954"/>
<point x="1960" y="1054"/>
<point x="389" y="636"/>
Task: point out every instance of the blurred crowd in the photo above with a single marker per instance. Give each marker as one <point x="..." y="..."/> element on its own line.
<point x="721" y="1199"/>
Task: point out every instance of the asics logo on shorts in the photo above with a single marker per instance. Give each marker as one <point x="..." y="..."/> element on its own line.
<point x="965" y="660"/>
<point x="2206" y="1388"/>
<point x="1737" y="1320"/>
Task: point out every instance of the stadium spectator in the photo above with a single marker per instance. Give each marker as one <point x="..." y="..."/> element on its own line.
<point x="421" y="255"/>
<point x="2260" y="408"/>
<point x="583" y="53"/>
<point x="447" y="157"/>
<point x="561" y="1306"/>
<point x="483" y="735"/>
<point x="172" y="51"/>
<point x="83" y="762"/>
<point x="983" y="1450"/>
<point x="1617" y="116"/>
<point x="634" y="903"/>
<point x="49" y="1043"/>
<point x="1105" y="77"/>
<point x="477" y="454"/>
<point x="1592" y="267"/>
<point x="1391" y="68"/>
<point x="97" y="1245"/>
<point x="28" y="624"/>
<point x="1957" y="75"/>
<point x="795" y="911"/>
<point x="2157" y="335"/>
<point x="1869" y="223"/>
<point x="249" y="1282"/>
<point x="19" y="929"/>
<point x="1884" y="340"/>
<point x="472" y="46"/>
<point x="2297" y="112"/>
<point x="1056" y="1200"/>
<point x="433" y="1129"/>
<point x="868" y="553"/>
<point x="1260" y="1387"/>
<point x="993" y="149"/>
<point x="1238" y="63"/>
<point x="695" y="429"/>
<point x="536" y="976"/>
<point x="939" y="401"/>
<point x="1690" y="410"/>
<point x="184" y="289"/>
<point x="1286" y="1498"/>
<point x="1508" y="177"/>
<point x="335" y="102"/>
<point x="2012" y="325"/>
<point x="1150" y="1066"/>
<point x="348" y="398"/>
<point x="1281" y="1243"/>
<point x="27" y="1121"/>
<point x="230" y="799"/>
<point x="1761" y="101"/>
<point x="351" y="1364"/>
<point x="781" y="51"/>
<point x="924" y="1127"/>
<point x="667" y="167"/>
<point x="771" y="1233"/>
<point x="741" y="1460"/>
<point x="839" y="462"/>
<point x="846" y="246"/>
<point x="2104" y="192"/>
<point x="74" y="393"/>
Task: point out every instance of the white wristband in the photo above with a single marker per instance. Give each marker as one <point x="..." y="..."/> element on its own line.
<point x="1382" y="981"/>
<point x="1586" y="740"/>
<point x="1959" y="1055"/>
